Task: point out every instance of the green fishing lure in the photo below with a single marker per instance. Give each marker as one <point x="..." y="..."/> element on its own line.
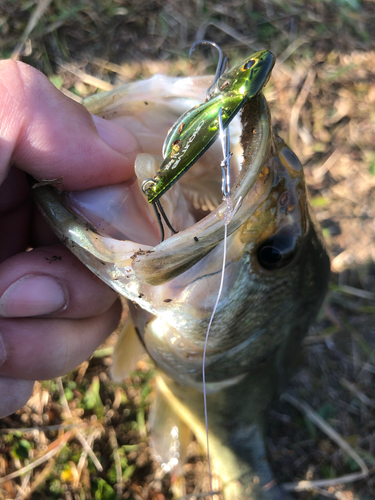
<point x="197" y="129"/>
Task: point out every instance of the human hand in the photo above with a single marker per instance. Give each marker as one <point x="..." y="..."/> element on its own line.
<point x="53" y="313"/>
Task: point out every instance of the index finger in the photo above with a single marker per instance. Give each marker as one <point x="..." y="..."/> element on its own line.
<point x="50" y="136"/>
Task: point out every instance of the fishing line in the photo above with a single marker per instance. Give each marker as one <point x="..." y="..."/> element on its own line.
<point x="229" y="212"/>
<point x="205" y="347"/>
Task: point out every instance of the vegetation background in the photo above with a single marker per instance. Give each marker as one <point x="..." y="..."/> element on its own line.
<point x="83" y="437"/>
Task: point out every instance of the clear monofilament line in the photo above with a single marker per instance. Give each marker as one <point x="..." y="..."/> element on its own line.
<point x="225" y="167"/>
<point x="206" y="340"/>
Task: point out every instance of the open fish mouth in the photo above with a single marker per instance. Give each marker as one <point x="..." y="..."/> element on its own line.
<point x="120" y="225"/>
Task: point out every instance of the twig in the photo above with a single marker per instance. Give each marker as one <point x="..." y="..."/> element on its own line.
<point x="323" y="336"/>
<point x="115" y="68"/>
<point x="356" y="292"/>
<point x="33" y="21"/>
<point x="323" y="483"/>
<point x="335" y="436"/>
<point x="86" y="78"/>
<point x="57" y="445"/>
<point x="353" y="389"/>
<point x="325" y="493"/>
<point x="113" y="442"/>
<point x="42" y="429"/>
<point x="81" y="372"/>
<point x="42" y="476"/>
<point x="71" y="95"/>
<point x="79" y="434"/>
<point x="86" y="450"/>
<point x="290" y="49"/>
<point x="23" y="492"/>
<point x="298" y="105"/>
<point x="200" y="495"/>
<point x="318" y="173"/>
<point x="87" y="447"/>
<point x="340" y="262"/>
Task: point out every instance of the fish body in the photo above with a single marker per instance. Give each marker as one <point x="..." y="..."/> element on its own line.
<point x="276" y="275"/>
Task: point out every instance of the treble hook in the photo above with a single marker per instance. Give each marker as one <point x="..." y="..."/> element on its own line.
<point x="220" y="65"/>
<point x="159" y="211"/>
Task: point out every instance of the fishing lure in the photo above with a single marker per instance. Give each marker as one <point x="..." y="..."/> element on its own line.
<point x="197" y="129"/>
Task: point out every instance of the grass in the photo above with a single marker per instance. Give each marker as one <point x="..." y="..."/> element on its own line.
<point x="322" y="96"/>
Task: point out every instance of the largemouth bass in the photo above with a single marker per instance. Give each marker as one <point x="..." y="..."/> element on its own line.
<point x="275" y="277"/>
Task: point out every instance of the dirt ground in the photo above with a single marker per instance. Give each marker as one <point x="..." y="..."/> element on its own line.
<point x="322" y="99"/>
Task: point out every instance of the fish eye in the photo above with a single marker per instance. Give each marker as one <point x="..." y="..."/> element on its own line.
<point x="249" y="64"/>
<point x="278" y="251"/>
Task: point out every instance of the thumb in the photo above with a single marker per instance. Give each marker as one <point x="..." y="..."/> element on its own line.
<point x="50" y="136"/>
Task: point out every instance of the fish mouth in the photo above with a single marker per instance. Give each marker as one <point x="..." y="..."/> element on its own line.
<point x="131" y="253"/>
<point x="201" y="225"/>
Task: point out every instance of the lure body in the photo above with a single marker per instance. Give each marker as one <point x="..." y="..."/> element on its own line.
<point x="197" y="129"/>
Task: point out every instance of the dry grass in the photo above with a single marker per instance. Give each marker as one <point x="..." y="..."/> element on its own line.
<point x="322" y="97"/>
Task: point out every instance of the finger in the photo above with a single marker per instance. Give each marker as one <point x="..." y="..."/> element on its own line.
<point x="51" y="136"/>
<point x="51" y="281"/>
<point x="14" y="394"/>
<point x="38" y="349"/>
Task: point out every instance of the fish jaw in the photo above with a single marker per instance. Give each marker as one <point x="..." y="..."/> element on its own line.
<point x="135" y="269"/>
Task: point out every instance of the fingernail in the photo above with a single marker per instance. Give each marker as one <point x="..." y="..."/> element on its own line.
<point x="33" y="295"/>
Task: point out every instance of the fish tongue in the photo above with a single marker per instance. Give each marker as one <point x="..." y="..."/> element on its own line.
<point x="119" y="211"/>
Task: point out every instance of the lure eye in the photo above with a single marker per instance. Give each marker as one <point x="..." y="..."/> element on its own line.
<point x="249" y="64"/>
<point x="278" y="251"/>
